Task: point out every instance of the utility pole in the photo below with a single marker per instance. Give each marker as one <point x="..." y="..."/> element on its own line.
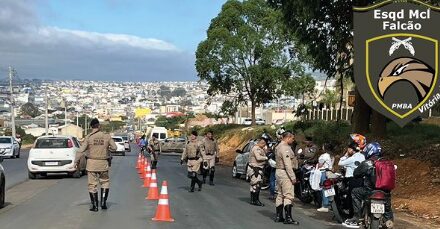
<point x="85" y="124"/>
<point x="46" y="114"/>
<point x="11" y="74"/>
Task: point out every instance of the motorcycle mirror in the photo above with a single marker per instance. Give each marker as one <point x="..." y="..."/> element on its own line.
<point x="300" y="151"/>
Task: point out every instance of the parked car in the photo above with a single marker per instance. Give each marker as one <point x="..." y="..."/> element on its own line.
<point x="247" y="121"/>
<point x="242" y="160"/>
<point x="120" y="143"/>
<point x="9" y="147"/>
<point x="126" y="142"/>
<point x="260" y="121"/>
<point x="55" y="154"/>
<point x="241" y="163"/>
<point x="2" y="185"/>
<point x="173" y="145"/>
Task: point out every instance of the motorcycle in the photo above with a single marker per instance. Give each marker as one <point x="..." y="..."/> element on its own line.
<point x="303" y="189"/>
<point x="337" y="190"/>
<point x="373" y="211"/>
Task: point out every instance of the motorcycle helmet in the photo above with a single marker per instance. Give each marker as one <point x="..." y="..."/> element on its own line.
<point x="359" y="139"/>
<point x="373" y="149"/>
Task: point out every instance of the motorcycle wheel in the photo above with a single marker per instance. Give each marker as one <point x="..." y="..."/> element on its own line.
<point x="305" y="197"/>
<point x="374" y="223"/>
<point x="336" y="212"/>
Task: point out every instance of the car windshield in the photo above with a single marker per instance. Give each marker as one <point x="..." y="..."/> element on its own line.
<point x="5" y="140"/>
<point x="125" y="138"/>
<point x="51" y="143"/>
<point x="117" y="139"/>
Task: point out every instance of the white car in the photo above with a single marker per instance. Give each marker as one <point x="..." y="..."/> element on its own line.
<point x="247" y="121"/>
<point x="55" y="154"/>
<point x="9" y="147"/>
<point x="126" y="143"/>
<point x="260" y="121"/>
<point x="120" y="143"/>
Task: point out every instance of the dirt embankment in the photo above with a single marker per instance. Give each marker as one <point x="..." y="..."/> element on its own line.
<point x="418" y="188"/>
<point x="418" y="182"/>
<point x="231" y="141"/>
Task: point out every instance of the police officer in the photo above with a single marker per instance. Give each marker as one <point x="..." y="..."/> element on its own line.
<point x="98" y="163"/>
<point x="192" y="155"/>
<point x="257" y="160"/>
<point x="154" y="148"/>
<point x="210" y="157"/>
<point x="286" y="162"/>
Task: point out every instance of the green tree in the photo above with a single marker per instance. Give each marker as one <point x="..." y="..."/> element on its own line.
<point x="179" y="92"/>
<point x="165" y="91"/>
<point x="329" y="98"/>
<point x="246" y="53"/>
<point x="300" y="86"/>
<point x="30" y="109"/>
<point x="325" y="29"/>
<point x="170" y="123"/>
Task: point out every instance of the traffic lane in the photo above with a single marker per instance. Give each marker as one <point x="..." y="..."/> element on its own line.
<point x="225" y="205"/>
<point x="16" y="169"/>
<point x="63" y="202"/>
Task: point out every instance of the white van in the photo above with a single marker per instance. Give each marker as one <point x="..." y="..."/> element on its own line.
<point x="160" y="133"/>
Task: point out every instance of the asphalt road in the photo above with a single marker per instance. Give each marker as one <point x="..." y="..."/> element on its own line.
<point x="62" y="202"/>
<point x="16" y="169"/>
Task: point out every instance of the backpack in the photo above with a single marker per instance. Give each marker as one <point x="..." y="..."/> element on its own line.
<point x="385" y="175"/>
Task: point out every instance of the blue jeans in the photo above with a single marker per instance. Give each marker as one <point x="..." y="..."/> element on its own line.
<point x="272" y="183"/>
<point x="325" y="201"/>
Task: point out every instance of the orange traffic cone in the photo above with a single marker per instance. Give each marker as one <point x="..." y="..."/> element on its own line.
<point x="153" y="192"/>
<point x="138" y="164"/>
<point x="144" y="170"/>
<point x="147" y="178"/>
<point x="163" y="207"/>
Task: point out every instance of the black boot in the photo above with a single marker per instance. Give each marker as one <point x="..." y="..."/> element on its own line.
<point x="288" y="213"/>
<point x="193" y="184"/>
<point x="257" y="199"/>
<point x="211" y="178"/>
<point x="153" y="164"/>
<point x="279" y="218"/>
<point x="252" y="198"/>
<point x="199" y="182"/>
<point x="94" y="201"/>
<point x="104" y="195"/>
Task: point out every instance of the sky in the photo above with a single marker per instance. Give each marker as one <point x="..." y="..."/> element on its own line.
<point x="121" y="40"/>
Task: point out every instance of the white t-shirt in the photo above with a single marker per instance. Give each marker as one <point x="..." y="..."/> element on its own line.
<point x="325" y="161"/>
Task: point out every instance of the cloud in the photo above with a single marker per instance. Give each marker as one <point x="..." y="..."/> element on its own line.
<point x="39" y="51"/>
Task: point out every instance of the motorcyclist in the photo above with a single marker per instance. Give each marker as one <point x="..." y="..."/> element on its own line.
<point x="325" y="163"/>
<point x="143" y="143"/>
<point x="349" y="162"/>
<point x="366" y="170"/>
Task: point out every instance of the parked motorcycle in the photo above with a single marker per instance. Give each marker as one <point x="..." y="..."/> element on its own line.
<point x="373" y="211"/>
<point x="337" y="190"/>
<point x="303" y="189"/>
